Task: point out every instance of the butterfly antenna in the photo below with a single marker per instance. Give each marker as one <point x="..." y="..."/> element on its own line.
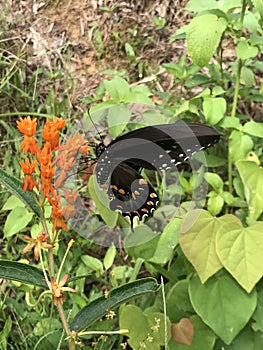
<point x="94" y="125"/>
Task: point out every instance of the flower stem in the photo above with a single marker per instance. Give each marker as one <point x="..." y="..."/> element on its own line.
<point x="71" y="341"/>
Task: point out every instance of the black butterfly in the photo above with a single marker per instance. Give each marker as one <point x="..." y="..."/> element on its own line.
<point x="157" y="147"/>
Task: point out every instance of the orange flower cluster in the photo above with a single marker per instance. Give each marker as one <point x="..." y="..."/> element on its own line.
<point x="44" y="162"/>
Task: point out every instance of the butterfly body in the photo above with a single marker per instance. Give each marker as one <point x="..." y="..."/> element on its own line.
<point x="158" y="147"/>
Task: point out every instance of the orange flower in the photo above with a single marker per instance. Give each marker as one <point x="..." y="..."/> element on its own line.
<point x="37" y="243"/>
<point x="71" y="196"/>
<point x="58" y="123"/>
<point x="74" y="145"/>
<point x="44" y="156"/>
<point x="56" y="213"/>
<point x="50" y="132"/>
<point x="27" y="126"/>
<point x="58" y="219"/>
<point x="69" y="211"/>
<point x="65" y="164"/>
<point x="46" y="176"/>
<point x="67" y="156"/>
<point x="28" y="168"/>
<point x="58" y="290"/>
<point x="50" y="135"/>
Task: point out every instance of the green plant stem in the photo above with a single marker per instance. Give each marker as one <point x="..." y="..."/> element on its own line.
<point x="121" y="331"/>
<point x="165" y="316"/>
<point x="63" y="260"/>
<point x="50" y="251"/>
<point x="61" y="312"/>
<point x="35" y="114"/>
<point x="233" y="114"/>
<point x="235" y="100"/>
<point x="243" y="11"/>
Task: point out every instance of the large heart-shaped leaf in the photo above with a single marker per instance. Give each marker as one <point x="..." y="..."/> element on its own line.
<point x="222" y="304"/>
<point x="146" y="329"/>
<point x="197" y="240"/>
<point x="240" y="251"/>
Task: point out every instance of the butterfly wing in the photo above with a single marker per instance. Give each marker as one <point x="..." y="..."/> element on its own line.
<point x="158" y="147"/>
<point x="130" y="194"/>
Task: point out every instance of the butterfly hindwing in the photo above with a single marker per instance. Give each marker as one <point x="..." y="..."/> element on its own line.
<point x="130" y="194"/>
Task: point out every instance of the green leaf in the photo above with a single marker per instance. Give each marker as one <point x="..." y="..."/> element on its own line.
<point x="240" y="251"/>
<point x="178" y="302"/>
<point x="215" y="203"/>
<point x="142" y="242"/>
<point x="215" y="181"/>
<point x="247" y="77"/>
<point x="175" y="69"/>
<point x="259" y="6"/>
<point x="240" y="145"/>
<point x="15" y="187"/>
<point x="217" y="90"/>
<point x="139" y="94"/>
<point x="252" y="177"/>
<point x="203" y="36"/>
<point x="231" y="123"/>
<point x="204" y="338"/>
<point x="5" y="333"/>
<point x="152" y="117"/>
<point x="214" y="109"/>
<point x="129" y="51"/>
<point x="109" y="257"/>
<point x="201" y="5"/>
<point x="168" y="241"/>
<point x="13" y="202"/>
<point x="245" y="51"/>
<point x="118" y="117"/>
<point x="247" y="339"/>
<point x="252" y="23"/>
<point x="197" y="239"/>
<point x="99" y="307"/>
<point x="117" y="88"/>
<point x="138" y="97"/>
<point x="93" y="264"/>
<point x="24" y="273"/>
<point x="258" y="314"/>
<point x="133" y="319"/>
<point x="253" y="128"/>
<point x="17" y="219"/>
<point x="141" y="326"/>
<point x="102" y="203"/>
<point x="217" y="302"/>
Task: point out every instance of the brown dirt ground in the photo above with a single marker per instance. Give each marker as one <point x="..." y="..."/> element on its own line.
<point x="85" y="38"/>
